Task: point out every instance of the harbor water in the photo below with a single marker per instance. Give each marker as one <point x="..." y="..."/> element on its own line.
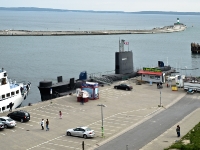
<point x="37" y="58"/>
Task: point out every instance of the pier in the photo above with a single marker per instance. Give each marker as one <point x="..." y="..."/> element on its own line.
<point x="166" y="29"/>
<point x="124" y="110"/>
<point x="195" y="48"/>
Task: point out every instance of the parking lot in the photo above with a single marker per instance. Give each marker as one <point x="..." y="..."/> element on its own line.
<point x="124" y="110"/>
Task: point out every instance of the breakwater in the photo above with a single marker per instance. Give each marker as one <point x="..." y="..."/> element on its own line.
<point x="165" y="29"/>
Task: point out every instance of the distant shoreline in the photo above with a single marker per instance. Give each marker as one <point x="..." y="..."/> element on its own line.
<point x="93" y="11"/>
<point x="165" y="29"/>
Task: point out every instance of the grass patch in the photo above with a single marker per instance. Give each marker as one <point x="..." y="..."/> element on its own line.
<point x="191" y="141"/>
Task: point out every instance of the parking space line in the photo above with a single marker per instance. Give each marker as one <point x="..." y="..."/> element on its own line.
<point x="63" y="105"/>
<point x="19" y="127"/>
<point x="13" y="130"/>
<point x="107" y="125"/>
<point x="63" y="146"/>
<point x="45" y="112"/>
<point x="94" y="140"/>
<point x="45" y="142"/>
<point x="37" y="122"/>
<point x="104" y="132"/>
<point x="54" y="110"/>
<point x="47" y="148"/>
<point x="28" y="124"/>
<point x="35" y="118"/>
<point x="38" y="107"/>
<point x="3" y="134"/>
<point x="58" y="108"/>
<point x="96" y="129"/>
<point x="115" y="123"/>
<point x="153" y="112"/>
<point x="126" y="118"/>
<point x="43" y="115"/>
<point x="69" y="141"/>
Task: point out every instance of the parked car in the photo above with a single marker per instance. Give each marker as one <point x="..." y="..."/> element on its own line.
<point x="123" y="87"/>
<point x="8" y="122"/>
<point x="1" y="125"/>
<point x="84" y="132"/>
<point x="19" y="115"/>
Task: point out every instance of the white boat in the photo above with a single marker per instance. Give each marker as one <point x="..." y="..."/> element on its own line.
<point x="11" y="92"/>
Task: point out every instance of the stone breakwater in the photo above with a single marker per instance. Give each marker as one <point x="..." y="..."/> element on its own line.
<point x="166" y="29"/>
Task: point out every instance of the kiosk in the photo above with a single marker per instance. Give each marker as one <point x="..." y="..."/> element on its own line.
<point x="82" y="96"/>
<point x="92" y="88"/>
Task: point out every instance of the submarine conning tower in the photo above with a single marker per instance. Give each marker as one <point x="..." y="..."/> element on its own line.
<point x="123" y="59"/>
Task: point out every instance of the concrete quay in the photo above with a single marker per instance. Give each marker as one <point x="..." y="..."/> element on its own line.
<point x="125" y="110"/>
<point x="166" y="29"/>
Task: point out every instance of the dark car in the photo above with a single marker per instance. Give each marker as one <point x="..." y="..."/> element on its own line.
<point x="123" y="87"/>
<point x="20" y="115"/>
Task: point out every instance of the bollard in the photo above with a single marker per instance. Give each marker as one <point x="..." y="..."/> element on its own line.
<point x="126" y="147"/>
<point x="83" y="145"/>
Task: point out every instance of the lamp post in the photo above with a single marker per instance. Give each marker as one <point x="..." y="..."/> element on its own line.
<point x="102" y="129"/>
<point x="160" y="100"/>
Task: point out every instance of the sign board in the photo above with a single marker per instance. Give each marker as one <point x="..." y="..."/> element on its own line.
<point x="152" y="69"/>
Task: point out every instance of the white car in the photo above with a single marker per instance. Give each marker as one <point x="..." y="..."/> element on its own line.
<point x="8" y="122"/>
<point x="84" y="132"/>
<point x="169" y="78"/>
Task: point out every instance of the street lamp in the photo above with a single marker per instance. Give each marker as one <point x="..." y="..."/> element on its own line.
<point x="102" y="130"/>
<point x="160" y="100"/>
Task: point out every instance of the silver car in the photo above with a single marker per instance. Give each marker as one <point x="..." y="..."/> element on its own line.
<point x="8" y="122"/>
<point x="1" y="125"/>
<point x="84" y="132"/>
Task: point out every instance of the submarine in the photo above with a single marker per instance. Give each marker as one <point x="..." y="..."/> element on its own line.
<point x="124" y="69"/>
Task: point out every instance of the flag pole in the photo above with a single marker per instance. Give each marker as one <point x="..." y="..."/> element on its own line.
<point x="128" y="46"/>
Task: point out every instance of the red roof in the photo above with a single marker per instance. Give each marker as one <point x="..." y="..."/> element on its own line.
<point x="149" y="72"/>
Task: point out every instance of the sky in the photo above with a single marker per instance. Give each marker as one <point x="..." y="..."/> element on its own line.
<point x="109" y="5"/>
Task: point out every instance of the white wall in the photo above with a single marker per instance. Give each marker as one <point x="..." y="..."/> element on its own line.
<point x="153" y="78"/>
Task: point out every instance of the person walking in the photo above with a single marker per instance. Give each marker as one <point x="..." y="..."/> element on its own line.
<point x="11" y="105"/>
<point x="82" y="101"/>
<point x="47" y="125"/>
<point x="178" y="130"/>
<point x="60" y="114"/>
<point x="42" y="124"/>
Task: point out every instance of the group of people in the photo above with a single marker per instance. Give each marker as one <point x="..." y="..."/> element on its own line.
<point x="47" y="122"/>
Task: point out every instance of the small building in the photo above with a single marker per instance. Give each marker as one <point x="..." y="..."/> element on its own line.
<point x="92" y="88"/>
<point x="82" y="96"/>
<point x="152" y="76"/>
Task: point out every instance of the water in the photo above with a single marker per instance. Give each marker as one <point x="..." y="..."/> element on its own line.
<point x="38" y="58"/>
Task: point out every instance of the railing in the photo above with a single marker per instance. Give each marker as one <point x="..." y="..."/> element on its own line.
<point x="101" y="79"/>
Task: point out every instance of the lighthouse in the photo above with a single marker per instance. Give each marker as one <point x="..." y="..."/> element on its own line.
<point x="178" y="21"/>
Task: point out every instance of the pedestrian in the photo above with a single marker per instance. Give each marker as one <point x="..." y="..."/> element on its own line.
<point x="60" y="114"/>
<point x="11" y="105"/>
<point x="42" y="124"/>
<point x="47" y="125"/>
<point x="178" y="130"/>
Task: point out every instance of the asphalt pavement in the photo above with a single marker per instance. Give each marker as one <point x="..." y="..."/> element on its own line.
<point x="159" y="131"/>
